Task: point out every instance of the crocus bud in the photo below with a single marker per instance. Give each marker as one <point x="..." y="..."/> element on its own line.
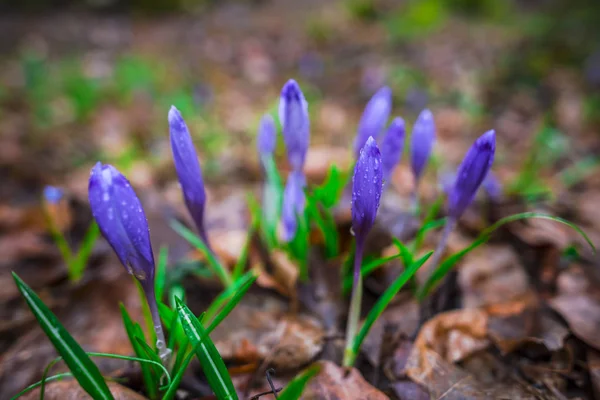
<point x="293" y="114"/>
<point x="293" y="204"/>
<point x="374" y="117"/>
<point x="423" y="136"/>
<point x="122" y="221"/>
<point x="471" y="173"/>
<point x="188" y="170"/>
<point x="492" y="186"/>
<point x="267" y="136"/>
<point x="367" y="185"/>
<point x="53" y="194"/>
<point x="392" y="146"/>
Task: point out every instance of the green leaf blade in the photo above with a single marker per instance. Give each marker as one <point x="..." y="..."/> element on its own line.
<point x="294" y="389"/>
<point x="83" y="368"/>
<point x="212" y="364"/>
<point x="385" y="299"/>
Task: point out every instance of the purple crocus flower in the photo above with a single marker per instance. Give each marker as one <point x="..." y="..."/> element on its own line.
<point x="293" y="114"/>
<point x="492" y="186"/>
<point x="392" y="146"/>
<point x="374" y="117"/>
<point x="52" y="194"/>
<point x="423" y="136"/>
<point x="367" y="185"/>
<point x="188" y="170"/>
<point x="293" y="204"/>
<point x="122" y="221"/>
<point x="267" y="136"/>
<point x="471" y="173"/>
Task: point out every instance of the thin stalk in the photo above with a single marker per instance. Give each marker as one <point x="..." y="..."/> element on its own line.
<point x="163" y="352"/>
<point x="355" y="303"/>
<point x="442" y="243"/>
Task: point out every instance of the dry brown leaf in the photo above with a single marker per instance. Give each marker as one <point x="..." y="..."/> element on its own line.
<point x="283" y="277"/>
<point x="449" y="382"/>
<point x="260" y="328"/>
<point x="582" y="313"/>
<point x="454" y="335"/>
<point x="513" y="331"/>
<point x="332" y="383"/>
<point x="70" y="390"/>
<point x="491" y="275"/>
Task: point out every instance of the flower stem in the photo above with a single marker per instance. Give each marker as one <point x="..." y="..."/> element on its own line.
<point x="161" y="345"/>
<point x="441" y="246"/>
<point x="355" y="303"/>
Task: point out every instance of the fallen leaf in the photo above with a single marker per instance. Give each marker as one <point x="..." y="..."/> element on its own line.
<point x="407" y="390"/>
<point x="593" y="361"/>
<point x="261" y="328"/>
<point x="332" y="382"/>
<point x="454" y="335"/>
<point x="490" y="275"/>
<point x="70" y="390"/>
<point x="582" y="313"/>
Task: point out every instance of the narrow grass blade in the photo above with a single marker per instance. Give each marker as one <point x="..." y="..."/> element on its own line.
<point x="245" y="282"/>
<point x="79" y="262"/>
<point x="174" y="386"/>
<point x="405" y="253"/>
<point x="217" y="268"/>
<point x="367" y="269"/>
<point x="385" y="299"/>
<point x="421" y="233"/>
<point x="325" y="223"/>
<point x="84" y="370"/>
<point x="160" y="279"/>
<point x="131" y="328"/>
<point x="449" y="262"/>
<point x="212" y="364"/>
<point x="294" y="389"/>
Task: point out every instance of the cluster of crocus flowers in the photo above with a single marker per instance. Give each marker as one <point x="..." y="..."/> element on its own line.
<point x="123" y="223"/>
<point x="367" y="186"/>
<point x="293" y="114"/>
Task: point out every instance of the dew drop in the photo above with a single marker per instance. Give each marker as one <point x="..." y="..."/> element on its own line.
<point x="106" y="196"/>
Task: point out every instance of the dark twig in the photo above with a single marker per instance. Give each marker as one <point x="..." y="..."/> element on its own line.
<point x="273" y="391"/>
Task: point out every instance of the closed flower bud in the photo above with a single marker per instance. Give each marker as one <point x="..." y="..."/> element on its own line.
<point x="293" y="114"/>
<point x="53" y="194"/>
<point x="267" y="136"/>
<point x="293" y="204"/>
<point x="423" y="136"/>
<point x="367" y="185"/>
<point x="188" y="170"/>
<point x="471" y="173"/>
<point x="374" y="117"/>
<point x="122" y="221"/>
<point x="392" y="147"/>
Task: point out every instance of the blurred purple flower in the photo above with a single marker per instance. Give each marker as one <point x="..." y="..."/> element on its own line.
<point x="492" y="186"/>
<point x="122" y="221"/>
<point x="293" y="114"/>
<point x="471" y="173"/>
<point x="392" y="147"/>
<point x="267" y="136"/>
<point x="374" y="117"/>
<point x="188" y="170"/>
<point x="53" y="194"/>
<point x="423" y="136"/>
<point x="367" y="185"/>
<point x="293" y="204"/>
